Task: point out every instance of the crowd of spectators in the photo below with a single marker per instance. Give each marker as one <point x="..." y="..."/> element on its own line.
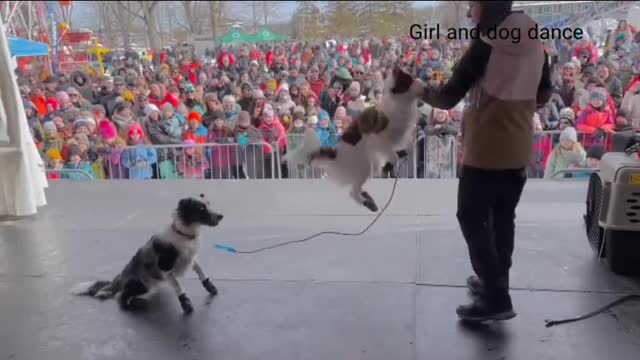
<point x="230" y="112"/>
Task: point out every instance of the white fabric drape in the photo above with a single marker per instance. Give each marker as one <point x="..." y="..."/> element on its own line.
<point x="22" y="171"/>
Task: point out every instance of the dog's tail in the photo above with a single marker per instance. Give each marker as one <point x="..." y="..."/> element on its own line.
<point x="303" y="154"/>
<point x="101" y="289"/>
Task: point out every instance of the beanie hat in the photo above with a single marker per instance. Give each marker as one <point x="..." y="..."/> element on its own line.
<point x="312" y="119"/>
<point x="135" y="129"/>
<point x="108" y="130"/>
<point x="569" y="134"/>
<point x="323" y="115"/>
<point x="54" y="104"/>
<point x="194" y="115"/>
<point x="596" y="152"/>
<point x="168" y="107"/>
<point x="128" y="96"/>
<point x="149" y="108"/>
<point x="54" y="154"/>
<point x="244" y="118"/>
<point x="567" y="113"/>
<point x="98" y="109"/>
<point x="49" y="126"/>
<point x="82" y="122"/>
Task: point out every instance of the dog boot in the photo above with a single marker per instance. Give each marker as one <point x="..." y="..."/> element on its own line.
<point x="368" y="202"/>
<point x="185" y="302"/>
<point x="209" y="287"/>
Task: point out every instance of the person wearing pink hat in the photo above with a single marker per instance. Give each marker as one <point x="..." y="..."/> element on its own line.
<point x="139" y="157"/>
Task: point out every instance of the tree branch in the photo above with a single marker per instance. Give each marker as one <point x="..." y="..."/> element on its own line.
<point x="121" y="3"/>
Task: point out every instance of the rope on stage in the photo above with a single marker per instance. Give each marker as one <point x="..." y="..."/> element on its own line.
<point x="393" y="190"/>
<point x="622" y="300"/>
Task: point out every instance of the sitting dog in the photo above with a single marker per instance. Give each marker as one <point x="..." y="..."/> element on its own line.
<point x="165" y="257"/>
<point x="379" y="136"/>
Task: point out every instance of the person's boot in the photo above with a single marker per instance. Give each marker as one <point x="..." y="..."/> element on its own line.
<point x="487" y="307"/>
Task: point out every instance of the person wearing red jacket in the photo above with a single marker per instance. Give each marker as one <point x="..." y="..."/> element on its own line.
<point x="595" y="121"/>
<point x="255" y="54"/>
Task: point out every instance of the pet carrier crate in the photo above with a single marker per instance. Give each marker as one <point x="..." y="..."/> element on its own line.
<point x="612" y="216"/>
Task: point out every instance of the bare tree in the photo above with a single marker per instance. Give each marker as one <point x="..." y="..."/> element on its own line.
<point x="216" y="15"/>
<point x="269" y="9"/>
<point x="116" y="19"/>
<point x="193" y="11"/>
<point x="145" y="11"/>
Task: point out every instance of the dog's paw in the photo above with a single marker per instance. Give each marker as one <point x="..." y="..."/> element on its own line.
<point x="209" y="287"/>
<point x="137" y="304"/>
<point x="186" y="304"/>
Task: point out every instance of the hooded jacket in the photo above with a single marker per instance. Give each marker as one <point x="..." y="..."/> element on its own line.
<point x="506" y="82"/>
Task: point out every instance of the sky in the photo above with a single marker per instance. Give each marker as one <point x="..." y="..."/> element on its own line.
<point x="82" y="15"/>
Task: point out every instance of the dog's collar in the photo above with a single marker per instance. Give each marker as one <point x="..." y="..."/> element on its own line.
<point x="175" y="229"/>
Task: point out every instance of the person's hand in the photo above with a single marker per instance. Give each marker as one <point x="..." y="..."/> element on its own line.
<point x="438" y="126"/>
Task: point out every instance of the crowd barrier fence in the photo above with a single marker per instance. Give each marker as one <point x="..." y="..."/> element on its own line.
<point x="431" y="156"/>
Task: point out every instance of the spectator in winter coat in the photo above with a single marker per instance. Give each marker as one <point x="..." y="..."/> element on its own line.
<point x="326" y="130"/>
<point x="195" y="130"/>
<point x="606" y="71"/>
<point x="623" y="132"/>
<point x="566" y="155"/>
<point x="594" y="121"/>
<point x="567" y="84"/>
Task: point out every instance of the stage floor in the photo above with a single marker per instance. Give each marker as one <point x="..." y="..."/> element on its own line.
<point x="390" y="294"/>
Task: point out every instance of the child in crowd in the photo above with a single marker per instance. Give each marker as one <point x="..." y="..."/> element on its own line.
<point x="171" y="125"/>
<point x="52" y="139"/>
<point x="623" y="132"/>
<point x="195" y="130"/>
<point x="192" y="164"/>
<point x="109" y="148"/>
<point x="54" y="162"/>
<point x="326" y="130"/>
<point x="139" y="159"/>
<point x="76" y="162"/>
<point x="567" y="154"/>
<point x="594" y="121"/>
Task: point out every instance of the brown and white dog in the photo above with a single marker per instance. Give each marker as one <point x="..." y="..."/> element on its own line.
<point x="371" y="141"/>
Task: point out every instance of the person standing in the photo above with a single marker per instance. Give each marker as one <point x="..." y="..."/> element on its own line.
<point x="506" y="81"/>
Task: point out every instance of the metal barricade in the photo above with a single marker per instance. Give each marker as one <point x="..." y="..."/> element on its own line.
<point x="189" y="161"/>
<point x="65" y="174"/>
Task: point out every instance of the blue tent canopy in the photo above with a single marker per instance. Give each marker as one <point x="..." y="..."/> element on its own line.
<point x="24" y="48"/>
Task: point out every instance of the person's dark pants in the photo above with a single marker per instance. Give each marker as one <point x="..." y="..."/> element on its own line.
<point x="487" y="201"/>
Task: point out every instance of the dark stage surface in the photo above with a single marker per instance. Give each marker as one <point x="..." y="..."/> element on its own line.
<point x="390" y="294"/>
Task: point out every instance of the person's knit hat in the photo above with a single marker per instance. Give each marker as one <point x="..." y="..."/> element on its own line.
<point x="54" y="154"/>
<point x="194" y="115"/>
<point x="244" y="119"/>
<point x="54" y="104"/>
<point x="72" y="150"/>
<point x="136" y="128"/>
<point x="246" y="86"/>
<point x="596" y="152"/>
<point x="343" y="74"/>
<point x="323" y="115"/>
<point x="168" y="107"/>
<point x="258" y="93"/>
<point x="569" y="64"/>
<point x="567" y="113"/>
<point x="49" y="126"/>
<point x="98" y="109"/>
<point x="108" y="130"/>
<point x="86" y="122"/>
<point x="298" y="112"/>
<point x="72" y="91"/>
<point x="312" y="119"/>
<point x="128" y="96"/>
<point x="598" y="93"/>
<point x="149" y="108"/>
<point x="569" y="133"/>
